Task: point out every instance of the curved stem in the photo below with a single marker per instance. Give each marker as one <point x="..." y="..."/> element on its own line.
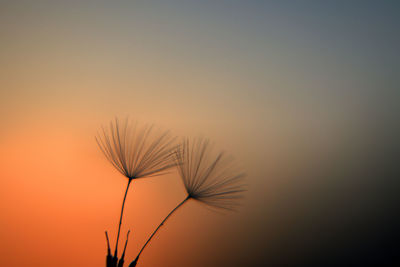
<point x="120" y="218"/>
<point x="155" y="231"/>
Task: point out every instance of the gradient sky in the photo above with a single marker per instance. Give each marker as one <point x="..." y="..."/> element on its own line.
<point x="304" y="94"/>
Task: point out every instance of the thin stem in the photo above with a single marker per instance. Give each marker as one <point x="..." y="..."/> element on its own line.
<point x="155" y="231"/>
<point x="108" y="245"/>
<point x="126" y="243"/>
<point x="120" y="218"/>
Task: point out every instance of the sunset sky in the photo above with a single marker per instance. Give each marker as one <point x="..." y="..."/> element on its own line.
<point x="304" y="94"/>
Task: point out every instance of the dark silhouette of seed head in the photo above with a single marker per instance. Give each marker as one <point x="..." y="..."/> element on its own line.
<point x="210" y="178"/>
<point x="135" y="151"/>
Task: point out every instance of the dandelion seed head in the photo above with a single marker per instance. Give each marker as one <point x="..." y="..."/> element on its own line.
<point x="136" y="151"/>
<point x="213" y="179"/>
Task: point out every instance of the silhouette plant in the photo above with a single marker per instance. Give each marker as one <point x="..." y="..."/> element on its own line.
<point x="136" y="152"/>
<point x="212" y="180"/>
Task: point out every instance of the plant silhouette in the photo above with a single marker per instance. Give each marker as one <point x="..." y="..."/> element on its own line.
<point x="136" y="152"/>
<point x="212" y="180"/>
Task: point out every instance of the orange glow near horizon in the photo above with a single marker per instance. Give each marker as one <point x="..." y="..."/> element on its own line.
<point x="59" y="194"/>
